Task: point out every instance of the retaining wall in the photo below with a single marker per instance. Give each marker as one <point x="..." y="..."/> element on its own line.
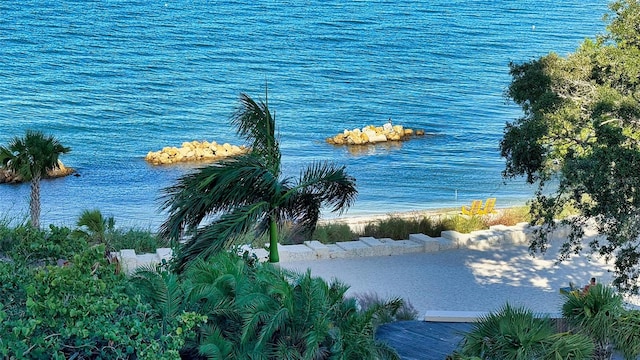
<point x="494" y="237"/>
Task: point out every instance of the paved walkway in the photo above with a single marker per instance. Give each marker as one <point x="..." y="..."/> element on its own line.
<point x="463" y="279"/>
<point x="456" y="280"/>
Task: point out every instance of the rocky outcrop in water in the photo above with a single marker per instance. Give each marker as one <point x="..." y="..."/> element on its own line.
<point x="374" y="134"/>
<point x="9" y="177"/>
<point x="194" y="151"/>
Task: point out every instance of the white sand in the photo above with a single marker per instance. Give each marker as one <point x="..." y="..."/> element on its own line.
<point x="463" y="280"/>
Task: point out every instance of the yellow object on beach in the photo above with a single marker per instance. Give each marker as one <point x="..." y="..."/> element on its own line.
<point x="477" y="209"/>
<point x="489" y="207"/>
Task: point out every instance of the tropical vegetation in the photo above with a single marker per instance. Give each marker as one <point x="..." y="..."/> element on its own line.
<point x="579" y="141"/>
<point x="257" y="311"/>
<point x="215" y="204"/>
<point x="97" y="229"/>
<point x="31" y="157"/>
<point x="516" y="333"/>
<point x="62" y="298"/>
<point x="597" y="324"/>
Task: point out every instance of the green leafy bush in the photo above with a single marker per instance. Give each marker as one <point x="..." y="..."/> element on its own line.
<point x="29" y="245"/>
<point x="399" y="228"/>
<point x="83" y="309"/>
<point x="140" y="240"/>
<point x="94" y="228"/>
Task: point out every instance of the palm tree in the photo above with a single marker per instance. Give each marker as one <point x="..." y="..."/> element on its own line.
<point x="31" y="157"/>
<point x="249" y="193"/>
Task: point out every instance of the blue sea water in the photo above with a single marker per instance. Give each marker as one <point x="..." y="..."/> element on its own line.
<point x="114" y="79"/>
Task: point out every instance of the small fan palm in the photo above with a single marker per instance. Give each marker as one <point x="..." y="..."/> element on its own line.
<point x="594" y="314"/>
<point x="516" y="333"/>
<point x="249" y="193"/>
<point x="31" y="157"/>
<point x="94" y="225"/>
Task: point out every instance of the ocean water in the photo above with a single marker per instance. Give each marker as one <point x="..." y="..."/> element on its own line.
<point x="114" y="79"/>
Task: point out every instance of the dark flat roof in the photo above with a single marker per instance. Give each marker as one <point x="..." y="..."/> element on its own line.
<point x="421" y="340"/>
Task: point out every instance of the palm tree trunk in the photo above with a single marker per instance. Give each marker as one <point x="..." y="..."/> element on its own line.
<point x="34" y="204"/>
<point x="273" y="241"/>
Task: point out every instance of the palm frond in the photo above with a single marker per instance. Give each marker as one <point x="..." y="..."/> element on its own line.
<point x="34" y="154"/>
<point x="626" y="334"/>
<point x="330" y="184"/>
<point x="510" y="333"/>
<point x="214" y="237"/>
<point x="221" y="187"/>
<point x="163" y="291"/>
<point x="319" y="184"/>
<point x="94" y="223"/>
<point x="214" y="344"/>
<point x="569" y="346"/>
<point x="5" y="156"/>
<point x="593" y="313"/>
<point x="256" y="124"/>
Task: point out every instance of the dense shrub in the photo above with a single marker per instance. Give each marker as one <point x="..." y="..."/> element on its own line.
<point x="399" y="228"/>
<point x="29" y="245"/>
<point x="598" y="325"/>
<point x="333" y="232"/>
<point x="80" y="308"/>
<point x="509" y="217"/>
<point x="257" y="311"/>
<point x="515" y="333"/>
<point x="140" y="240"/>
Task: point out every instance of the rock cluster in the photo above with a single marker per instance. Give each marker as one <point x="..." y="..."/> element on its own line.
<point x="374" y="134"/>
<point x="194" y="151"/>
<point x="7" y="176"/>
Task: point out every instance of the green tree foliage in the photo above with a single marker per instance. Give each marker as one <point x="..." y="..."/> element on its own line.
<point x="257" y="311"/>
<point x="31" y="157"/>
<point x="249" y="192"/>
<point x="581" y="132"/>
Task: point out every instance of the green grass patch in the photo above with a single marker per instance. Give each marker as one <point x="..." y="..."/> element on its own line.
<point x="333" y="232"/>
<point x="398" y="228"/>
<point x="140" y="240"/>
